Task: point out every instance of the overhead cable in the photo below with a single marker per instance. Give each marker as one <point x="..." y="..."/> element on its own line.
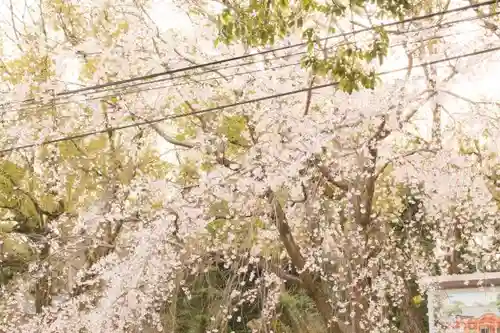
<point x="226" y="106"/>
<point x="270" y="50"/>
<point x="126" y="90"/>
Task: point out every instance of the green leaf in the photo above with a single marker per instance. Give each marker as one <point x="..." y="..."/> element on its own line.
<point x="259" y="223"/>
<point x="284" y="3"/>
<point x="417" y="300"/>
<point x="216" y="225"/>
<point x="226" y="16"/>
<point x="12" y="171"/>
<point x="233" y="128"/>
<point x="310" y="47"/>
<point x="14" y="243"/>
<point x="218" y="209"/>
<point x="7" y="226"/>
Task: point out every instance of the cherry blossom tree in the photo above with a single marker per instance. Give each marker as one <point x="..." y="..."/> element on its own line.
<point x="315" y="211"/>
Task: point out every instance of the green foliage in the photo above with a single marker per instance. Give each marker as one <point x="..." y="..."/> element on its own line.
<point x="186" y="128"/>
<point x="13" y="193"/>
<point x="7" y="226"/>
<point x="188" y="173"/>
<point x="233" y="127"/>
<point x="10" y="173"/>
<point x="37" y="68"/>
<point x="215" y="226"/>
<point x="28" y="207"/>
<point x="13" y="243"/>
<point x="263" y="23"/>
<point x="219" y="209"/>
<point x="297" y="302"/>
<point x="89" y="68"/>
<point x="298" y="313"/>
<point x="208" y="298"/>
<point x="15" y="253"/>
<point x="346" y="65"/>
<point x="7" y="272"/>
<point x="417" y="300"/>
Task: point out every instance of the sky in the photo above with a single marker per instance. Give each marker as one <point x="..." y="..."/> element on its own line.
<point x="476" y="302"/>
<point x="484" y="84"/>
<point x="472" y="296"/>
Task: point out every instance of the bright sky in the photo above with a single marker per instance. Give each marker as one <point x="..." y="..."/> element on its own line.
<point x="483" y="85"/>
<point x="169" y="16"/>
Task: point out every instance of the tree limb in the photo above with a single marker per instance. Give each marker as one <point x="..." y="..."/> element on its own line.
<point x="164" y="135"/>
<point x="369" y="186"/>
<point x="309" y="95"/>
<point x="342" y="185"/>
<point x="192" y="62"/>
<point x="311" y="283"/>
<point x="408" y="154"/>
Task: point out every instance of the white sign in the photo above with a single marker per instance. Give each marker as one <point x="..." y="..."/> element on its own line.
<point x="468" y="303"/>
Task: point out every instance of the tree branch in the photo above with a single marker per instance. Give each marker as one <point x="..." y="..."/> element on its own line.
<point x="342" y="185"/>
<point x="164" y="135"/>
<point x="369" y="186"/>
<point x="309" y="95"/>
<point x="192" y="62"/>
<point x="408" y="154"/>
<point x="311" y="283"/>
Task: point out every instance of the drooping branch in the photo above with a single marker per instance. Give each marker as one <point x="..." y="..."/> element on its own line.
<point x="312" y="284"/>
<point x="341" y="184"/>
<point x="369" y="171"/>
<point x="488" y="24"/>
<point x="164" y="135"/>
<point x="384" y="167"/>
<point x="431" y="75"/>
<point x="309" y="95"/>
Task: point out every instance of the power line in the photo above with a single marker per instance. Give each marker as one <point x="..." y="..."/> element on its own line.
<point x="120" y="90"/>
<point x="271" y="50"/>
<point x="222" y="107"/>
<point x="124" y="90"/>
<point x="473" y="18"/>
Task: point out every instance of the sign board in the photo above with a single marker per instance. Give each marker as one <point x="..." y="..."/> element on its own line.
<point x="468" y="303"/>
